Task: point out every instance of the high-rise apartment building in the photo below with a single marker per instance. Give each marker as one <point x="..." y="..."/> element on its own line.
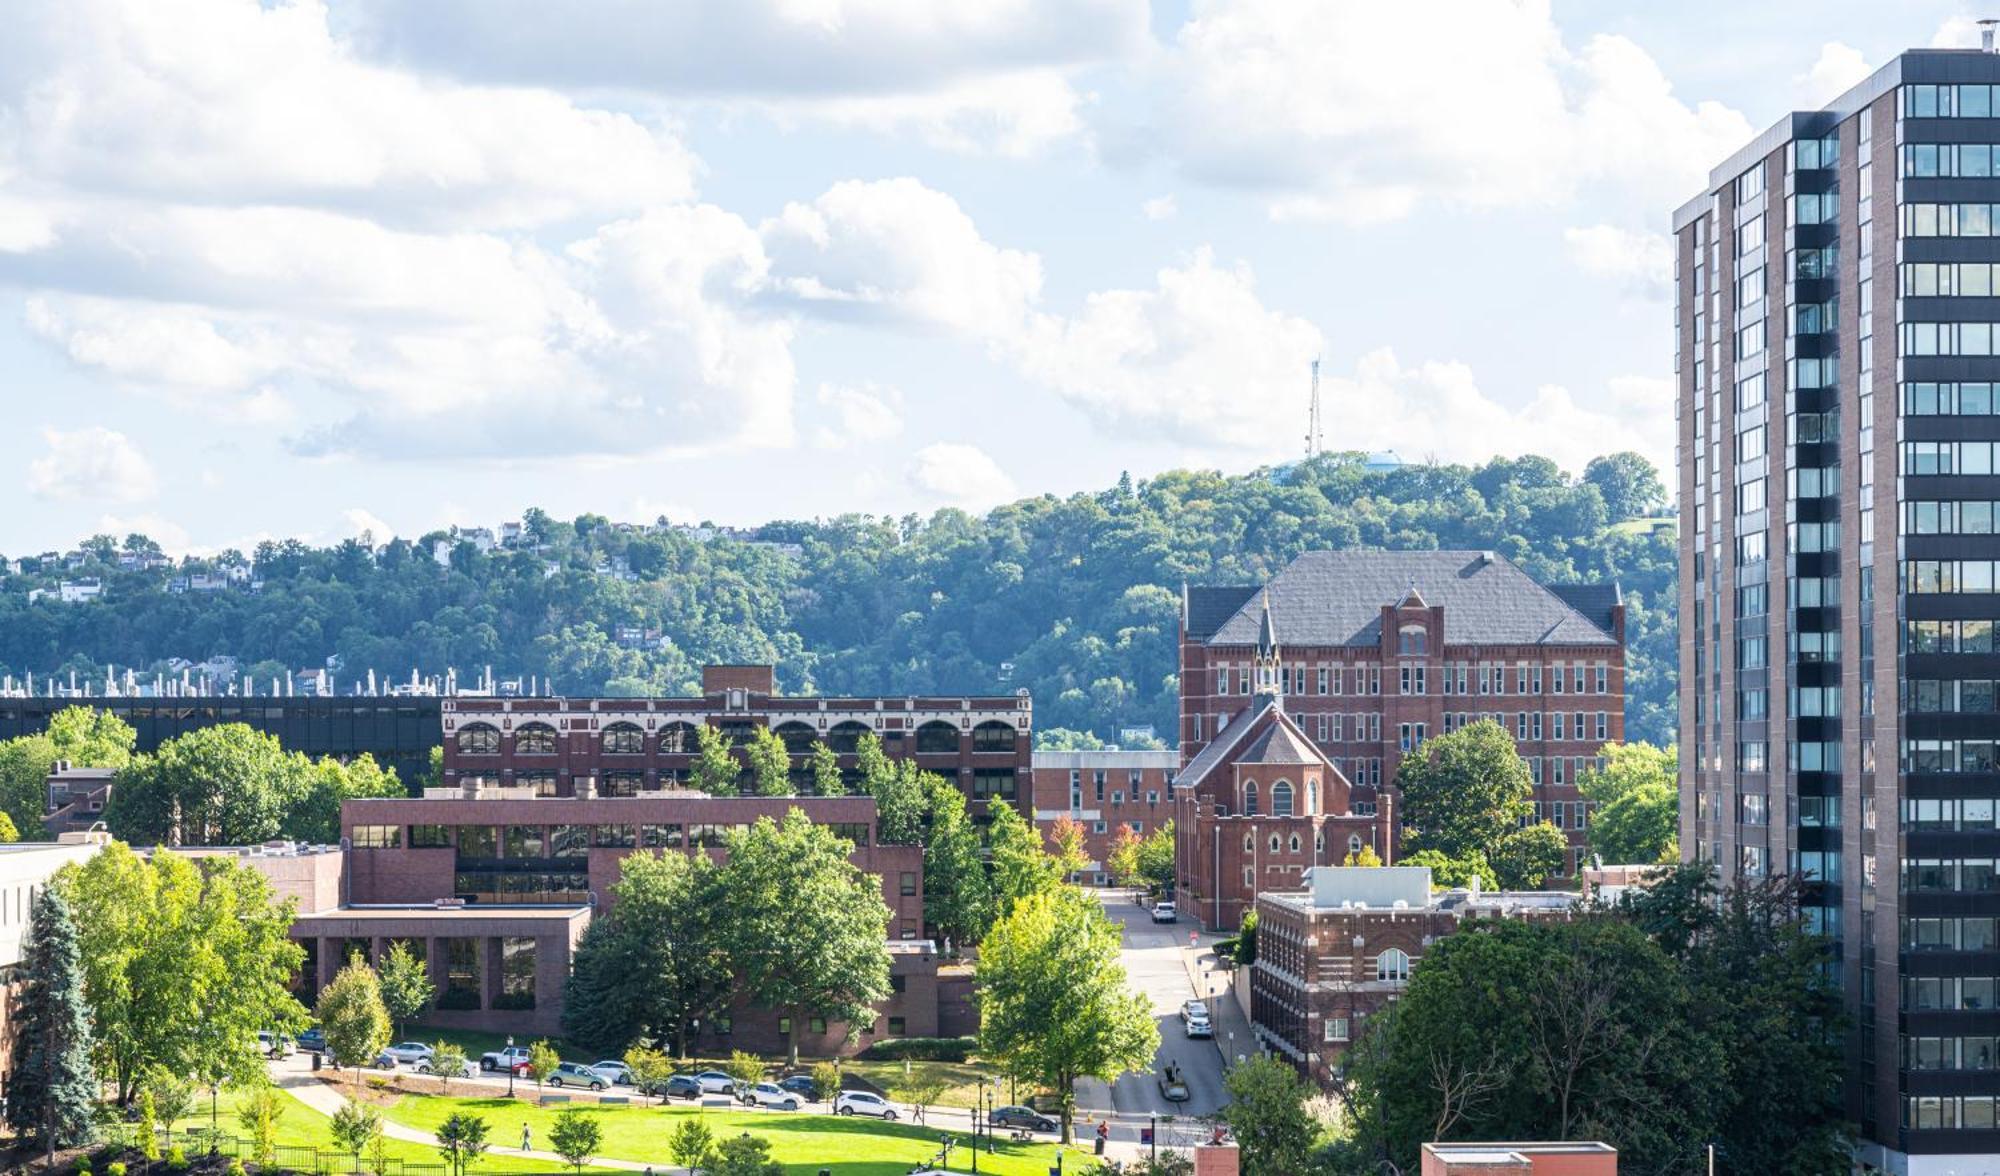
<point x="1837" y="357"/>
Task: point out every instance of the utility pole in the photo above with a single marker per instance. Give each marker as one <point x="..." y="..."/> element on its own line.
<point x="1315" y="438"/>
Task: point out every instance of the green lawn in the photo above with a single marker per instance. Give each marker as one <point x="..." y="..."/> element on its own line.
<point x="804" y="1142"/>
<point x="962" y="1079"/>
<point x="302" y="1126"/>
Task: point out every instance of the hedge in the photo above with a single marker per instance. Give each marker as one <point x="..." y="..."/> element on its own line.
<point x="922" y="1049"/>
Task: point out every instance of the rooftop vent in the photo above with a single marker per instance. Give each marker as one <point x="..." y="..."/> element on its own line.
<point x="1986" y="35"/>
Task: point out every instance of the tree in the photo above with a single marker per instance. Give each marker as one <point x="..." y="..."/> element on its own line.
<point x="747" y="1068"/>
<point x="461" y="1139"/>
<point x="804" y="932"/>
<point x="1054" y="1005"/>
<point x="259" y="1114"/>
<point x="1449" y="872"/>
<point x="315" y="816"/>
<point x="355" y="1126"/>
<point x="1635" y="804"/>
<point x="53" y="1090"/>
<point x="1122" y="859"/>
<point x="1464" y="791"/>
<point x="447" y="1062"/>
<point x="1526" y="857"/>
<point x="1365" y="857"/>
<point x="1021" y="867"/>
<point x="406" y="984"/>
<point x="542" y="1060"/>
<point x="957" y="900"/>
<point x="1266" y="1111"/>
<point x="1628" y="483"/>
<point x="657" y="963"/>
<point x="770" y="763"/>
<point x="1156" y="858"/>
<point x="922" y="1090"/>
<point x="1066" y="842"/>
<point x="826" y="776"/>
<point x="79" y="735"/>
<point x="351" y="1015"/>
<point x="900" y="789"/>
<point x="714" y="769"/>
<point x="650" y="1069"/>
<point x="744" y="1155"/>
<point x="826" y="1081"/>
<point x="691" y="1144"/>
<point x="222" y="785"/>
<point x="172" y="1096"/>
<point x="576" y="1136"/>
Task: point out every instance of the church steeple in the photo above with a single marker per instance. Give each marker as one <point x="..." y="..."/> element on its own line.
<point x="1266" y="661"/>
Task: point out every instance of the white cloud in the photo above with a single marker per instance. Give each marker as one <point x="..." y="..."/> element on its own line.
<point x="897" y="251"/>
<point x="1956" y="32"/>
<point x="858" y="415"/>
<point x="366" y="525"/>
<point x="91" y="464"/>
<point x="171" y="536"/>
<point x="1160" y="208"/>
<point x="962" y="474"/>
<point x="1015" y="114"/>
<point x="1198" y="359"/>
<point x="1839" y="67"/>
<point x="1645" y="261"/>
<point x="1364" y="112"/>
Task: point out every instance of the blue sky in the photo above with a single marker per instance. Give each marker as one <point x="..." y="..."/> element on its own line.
<point x="386" y="265"/>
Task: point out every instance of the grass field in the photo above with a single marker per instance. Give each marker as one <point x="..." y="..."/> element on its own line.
<point x="804" y="1142"/>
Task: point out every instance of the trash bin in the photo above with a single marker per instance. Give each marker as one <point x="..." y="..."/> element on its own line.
<point x="316" y="1063"/>
<point x="1100" y="1145"/>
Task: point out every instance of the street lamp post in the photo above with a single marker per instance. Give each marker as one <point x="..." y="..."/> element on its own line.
<point x="992" y="1100"/>
<point x="510" y="1065"/>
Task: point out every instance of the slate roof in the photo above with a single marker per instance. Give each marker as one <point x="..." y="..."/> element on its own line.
<point x="1336" y="598"/>
<point x="1225" y="741"/>
<point x="1205" y="609"/>
<point x="1277" y="742"/>
<point x="1280" y="744"/>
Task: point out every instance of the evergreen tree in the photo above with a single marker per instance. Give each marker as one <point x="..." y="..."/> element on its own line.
<point x="54" y="1088"/>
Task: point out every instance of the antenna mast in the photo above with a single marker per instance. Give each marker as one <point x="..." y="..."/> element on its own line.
<point x="1315" y="439"/>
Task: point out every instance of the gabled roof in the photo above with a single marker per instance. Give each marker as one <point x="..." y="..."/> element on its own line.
<point x="1205" y="609"/>
<point x="1262" y="734"/>
<point x="1280" y="743"/>
<point x="1225" y="740"/>
<point x="1328" y="598"/>
<point x="1592" y="600"/>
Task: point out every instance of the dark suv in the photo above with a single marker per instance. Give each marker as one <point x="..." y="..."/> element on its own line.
<point x="1024" y="1119"/>
<point x="678" y="1086"/>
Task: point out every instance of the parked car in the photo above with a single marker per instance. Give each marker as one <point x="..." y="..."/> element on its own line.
<point x="1197" y="1027"/>
<point x="614" y="1072"/>
<point x="384" y="1061"/>
<point x="577" y="1074"/>
<point x="274" y="1045"/>
<point x="409" y="1053"/>
<point x="514" y="1057"/>
<point x="469" y="1069"/>
<point x="860" y="1102"/>
<point x="1193" y="1008"/>
<point x="770" y="1094"/>
<point x="801" y="1085"/>
<point x="1023" y="1118"/>
<point x="1164" y="912"/>
<point x="678" y="1086"/>
<point x="716" y="1082"/>
<point x="312" y="1041"/>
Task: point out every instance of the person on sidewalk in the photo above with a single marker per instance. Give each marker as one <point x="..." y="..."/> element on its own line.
<point x="525" y="1137"/>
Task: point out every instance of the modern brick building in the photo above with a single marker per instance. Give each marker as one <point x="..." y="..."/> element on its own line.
<point x="1104" y="791"/>
<point x="630" y="746"/>
<point x="1836" y="366"/>
<point x="1372" y="652"/>
<point x="1519" y="1159"/>
<point x="493" y="888"/>
<point x="1337" y="950"/>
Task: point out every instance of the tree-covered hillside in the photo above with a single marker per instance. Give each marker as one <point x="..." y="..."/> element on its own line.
<point x="1074" y="599"/>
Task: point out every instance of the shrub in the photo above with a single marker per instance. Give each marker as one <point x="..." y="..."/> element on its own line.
<point x="114" y="1168"/>
<point x="236" y="1168"/>
<point x="747" y="1068"/>
<point x="826" y="1081"/>
<point x="379" y="1081"/>
<point x="922" y="1049"/>
<point x="177" y="1160"/>
<point x="82" y="1167"/>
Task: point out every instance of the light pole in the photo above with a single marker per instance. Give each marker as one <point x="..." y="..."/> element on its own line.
<point x="1059" y="1167"/>
<point x="1153" y="1136"/>
<point x="510" y="1065"/>
<point x="992" y="1100"/>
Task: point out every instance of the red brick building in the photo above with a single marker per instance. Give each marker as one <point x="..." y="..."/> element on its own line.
<point x="557" y="747"/>
<point x="494" y="887"/>
<point x="1372" y="652"/>
<point x="1104" y="791"/>
<point x="1342" y="944"/>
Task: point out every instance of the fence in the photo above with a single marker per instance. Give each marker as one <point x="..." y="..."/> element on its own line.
<point x="286" y="1157"/>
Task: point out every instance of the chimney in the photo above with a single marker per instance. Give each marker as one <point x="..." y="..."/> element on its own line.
<point x="1986" y="35"/>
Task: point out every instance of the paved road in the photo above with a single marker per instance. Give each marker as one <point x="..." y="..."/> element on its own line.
<point x="1154" y="960"/>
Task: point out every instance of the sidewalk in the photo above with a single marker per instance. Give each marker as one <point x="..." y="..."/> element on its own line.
<point x="1232" y="1023"/>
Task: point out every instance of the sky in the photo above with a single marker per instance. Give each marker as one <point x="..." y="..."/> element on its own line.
<point x="383" y="266"/>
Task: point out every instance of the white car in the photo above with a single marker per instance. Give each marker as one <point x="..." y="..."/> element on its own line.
<point x="860" y="1102"/>
<point x="1191" y="1009"/>
<point x="616" y="1073"/>
<point x="716" y="1082"/>
<point x="1164" y="912"/>
<point x="467" y="1069"/>
<point x="1197" y="1027"/>
<point x="409" y="1053"/>
<point x="770" y="1094"/>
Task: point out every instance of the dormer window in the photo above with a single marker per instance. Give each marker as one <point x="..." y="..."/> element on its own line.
<point x="1413" y="641"/>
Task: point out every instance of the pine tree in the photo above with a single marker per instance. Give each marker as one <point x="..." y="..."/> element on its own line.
<point x="55" y="1087"/>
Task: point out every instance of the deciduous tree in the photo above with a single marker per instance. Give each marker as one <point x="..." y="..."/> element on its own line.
<point x="744" y="1155"/>
<point x="1635" y="804"/>
<point x="447" y="1062"/>
<point x="461" y="1139"/>
<point x="355" y="1126"/>
<point x="958" y="902"/>
<point x="691" y="1144"/>
<point x="1266" y="1112"/>
<point x="770" y="763"/>
<point x="576" y="1136"/>
<point x="1526" y="856"/>
<point x="714" y="769"/>
<point x="351" y="1015"/>
<point x="826" y="776"/>
<point x="1464" y="791"/>
<point x="222" y="785"/>
<point x="1054" y="1004"/>
<point x="407" y="988"/>
<point x="658" y="962"/>
<point x="1021" y="867"/>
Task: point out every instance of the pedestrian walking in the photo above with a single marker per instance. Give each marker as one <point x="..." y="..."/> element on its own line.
<point x="525" y="1137"/>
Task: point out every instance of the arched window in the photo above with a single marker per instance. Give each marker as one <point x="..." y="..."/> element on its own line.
<point x="535" y="739"/>
<point x="1276" y="844"/>
<point x="624" y="739"/>
<point x="1295" y="843"/>
<point x="479" y="739"/>
<point x="937" y="736"/>
<point x="1281" y="799"/>
<point x="1392" y="965"/>
<point x="1354" y="843"/>
<point x="993" y="736"/>
<point x="1248" y="843"/>
<point x="1413" y="640"/>
<point x="798" y="737"/>
<point x="677" y="739"/>
<point x="1312" y="797"/>
<point x="1319" y="842"/>
<point x="1250" y="799"/>
<point x="845" y="738"/>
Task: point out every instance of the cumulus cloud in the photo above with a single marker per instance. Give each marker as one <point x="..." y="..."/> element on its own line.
<point x="1364" y="112"/>
<point x="366" y="525"/>
<point x="1643" y="261"/>
<point x="173" y="538"/>
<point x="91" y="464"/>
<point x="898" y="251"/>
<point x="961" y="474"/>
<point x="858" y="415"/>
<point x="1838" y="67"/>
